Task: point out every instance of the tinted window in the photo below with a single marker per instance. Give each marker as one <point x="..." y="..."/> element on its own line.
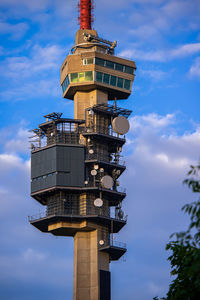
<point x="99" y="61"/>
<point x="127" y="84"/>
<point x="89" y="76"/>
<point x="119" y="67"/>
<point x="81" y="77"/>
<point x="113" y="80"/>
<point x="129" y="70"/>
<point x="74" y="77"/>
<point x="109" y="64"/>
<point x="120" y="82"/>
<point x="89" y="61"/>
<point x="106" y="78"/>
<point x="99" y="76"/>
<point x="65" y="84"/>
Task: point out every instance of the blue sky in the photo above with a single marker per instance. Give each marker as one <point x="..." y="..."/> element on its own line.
<point x="163" y="38"/>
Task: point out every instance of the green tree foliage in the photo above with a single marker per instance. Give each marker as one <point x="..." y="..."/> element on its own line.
<point x="185" y="250"/>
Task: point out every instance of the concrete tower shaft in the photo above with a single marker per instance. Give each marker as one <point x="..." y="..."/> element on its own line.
<point x="85" y="17"/>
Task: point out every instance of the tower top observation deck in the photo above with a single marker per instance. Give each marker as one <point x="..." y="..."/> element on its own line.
<point x="92" y="72"/>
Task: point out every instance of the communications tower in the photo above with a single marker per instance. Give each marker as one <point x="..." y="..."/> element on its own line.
<point x="76" y="163"/>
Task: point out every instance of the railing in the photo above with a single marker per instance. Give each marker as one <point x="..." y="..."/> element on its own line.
<point x="102" y="157"/>
<point x="103" y="130"/>
<point x="117" y="244"/>
<point x="121" y="189"/>
<point x="113" y="243"/>
<point x="63" y="138"/>
<point x="74" y="211"/>
<point x="96" y="183"/>
<point x="37" y="216"/>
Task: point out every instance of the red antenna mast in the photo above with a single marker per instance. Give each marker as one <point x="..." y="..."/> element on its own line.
<point x="86" y="17"/>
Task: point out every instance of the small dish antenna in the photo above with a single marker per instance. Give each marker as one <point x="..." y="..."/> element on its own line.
<point x="91" y="112"/>
<point x="101" y="242"/>
<point x="93" y="172"/>
<point x="107" y="182"/>
<point x="96" y="167"/>
<point x="98" y="202"/>
<point x="120" y="125"/>
<point x="91" y="151"/>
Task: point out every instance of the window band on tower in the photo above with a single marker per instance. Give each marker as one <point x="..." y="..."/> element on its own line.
<point x="109" y="64"/>
<point x="100" y="77"/>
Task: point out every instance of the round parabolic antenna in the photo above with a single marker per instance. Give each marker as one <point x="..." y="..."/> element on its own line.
<point x="101" y="242"/>
<point x="98" y="202"/>
<point x="120" y="125"/>
<point x="93" y="172"/>
<point x="91" y="151"/>
<point x="107" y="182"/>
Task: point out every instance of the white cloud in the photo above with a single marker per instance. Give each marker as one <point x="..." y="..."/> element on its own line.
<point x="154" y="74"/>
<point x="162" y="55"/>
<point x="16" y="30"/>
<point x="157" y="164"/>
<point x="195" y="68"/>
<point x="152" y="120"/>
<point x="19" y="143"/>
<point x="34" y="75"/>
<point x="25" y="92"/>
<point x="185" y="50"/>
<point x="9" y="161"/>
<point x="31" y="5"/>
<point x="41" y="59"/>
<point x="31" y="255"/>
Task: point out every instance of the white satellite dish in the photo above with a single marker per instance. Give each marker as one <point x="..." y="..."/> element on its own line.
<point x="101" y="170"/>
<point x="52" y="134"/>
<point x="91" y="151"/>
<point x="101" y="242"/>
<point x="98" y="202"/>
<point x="120" y="125"/>
<point x="93" y="172"/>
<point x="90" y="111"/>
<point x="96" y="167"/>
<point x="107" y="182"/>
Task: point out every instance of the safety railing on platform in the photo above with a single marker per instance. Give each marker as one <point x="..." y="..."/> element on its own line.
<point x="104" y="158"/>
<point x="83" y="210"/>
<point x="100" y="129"/>
<point x="110" y="241"/>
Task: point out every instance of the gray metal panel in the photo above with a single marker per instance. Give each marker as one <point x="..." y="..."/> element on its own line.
<point x="43" y="183"/>
<point x="58" y="165"/>
<point x="43" y="162"/>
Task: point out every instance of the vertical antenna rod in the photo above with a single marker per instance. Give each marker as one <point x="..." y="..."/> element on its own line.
<point x="85" y="17"/>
